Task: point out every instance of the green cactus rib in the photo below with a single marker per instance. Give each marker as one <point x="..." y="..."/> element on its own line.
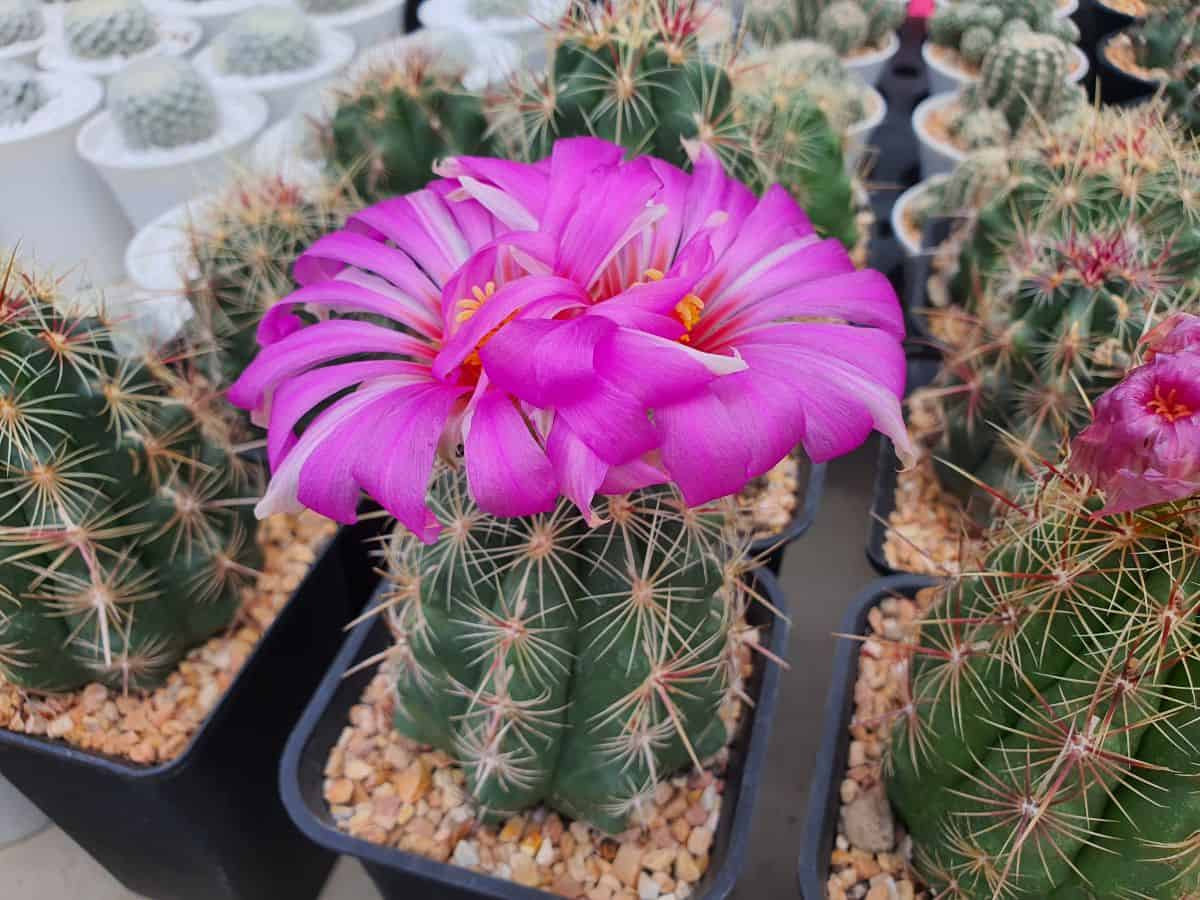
<point x="1024" y="73"/>
<point x="102" y="29"/>
<point x="564" y="665"/>
<point x="1051" y="727"/>
<point x="124" y="538"/>
<point x="162" y="102"/>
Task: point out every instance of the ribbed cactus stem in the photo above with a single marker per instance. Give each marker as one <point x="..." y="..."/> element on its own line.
<point x="103" y="29"/>
<point x="267" y="40"/>
<point x="21" y="94"/>
<point x="20" y="21"/>
<point x="1023" y="74"/>
<point x="844" y="26"/>
<point x="162" y="103"/>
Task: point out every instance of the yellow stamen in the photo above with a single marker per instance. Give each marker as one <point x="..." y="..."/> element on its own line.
<point x="653" y="275"/>
<point x="1167" y="407"/>
<point x="468" y="306"/>
<point x="688" y="311"/>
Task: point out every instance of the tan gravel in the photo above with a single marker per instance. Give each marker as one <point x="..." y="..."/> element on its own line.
<point x="157" y="727"/>
<point x="767" y="504"/>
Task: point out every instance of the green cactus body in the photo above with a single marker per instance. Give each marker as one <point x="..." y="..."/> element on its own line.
<point x="1183" y="93"/>
<point x="977" y="178"/>
<point x="398" y="120"/>
<point x="883" y="17"/>
<point x="1023" y="74"/>
<point x="981" y="127"/>
<point x="124" y="536"/>
<point x="771" y="22"/>
<point x="103" y="29"/>
<point x="21" y="94"/>
<point x="267" y="40"/>
<point x="946" y="26"/>
<point x="242" y="247"/>
<point x="1053" y="707"/>
<point x="329" y="7"/>
<point x="1167" y="36"/>
<point x="975" y="44"/>
<point x="1089" y="238"/>
<point x="563" y="665"/>
<point x="20" y="21"/>
<point x="161" y="103"/>
<point x="844" y="26"/>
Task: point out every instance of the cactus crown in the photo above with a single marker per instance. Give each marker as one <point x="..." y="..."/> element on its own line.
<point x="20" y="20"/>
<point x="21" y="94"/>
<point x="399" y="117"/>
<point x="102" y="29"/>
<point x="1023" y="74"/>
<point x="123" y="538"/>
<point x="162" y="102"/>
<point x="242" y="246"/>
<point x="1049" y="740"/>
<point x="267" y="40"/>
<point x="564" y="665"/>
<point x="1094" y="235"/>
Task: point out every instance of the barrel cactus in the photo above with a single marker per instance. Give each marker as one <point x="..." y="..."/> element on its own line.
<point x="124" y="537"/>
<point x="844" y="26"/>
<point x="1093" y="236"/>
<point x="162" y="102"/>
<point x="770" y="22"/>
<point x="267" y="40"/>
<point x="103" y="29"/>
<point x="20" y="21"/>
<point x="972" y="28"/>
<point x="21" y="94"/>
<point x="1168" y="36"/>
<point x="1050" y="739"/>
<point x="1024" y="73"/>
<point x="399" y="117"/>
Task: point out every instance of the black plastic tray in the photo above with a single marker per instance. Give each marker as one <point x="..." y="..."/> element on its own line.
<point x="771" y="549"/>
<point x="209" y="825"/>
<point x="921" y="371"/>
<point x="403" y="875"/>
<point x="821" y="821"/>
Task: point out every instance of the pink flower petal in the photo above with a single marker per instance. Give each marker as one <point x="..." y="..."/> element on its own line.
<point x="343" y="297"/>
<point x="573" y="163"/>
<point x="334" y="252"/>
<point x="545" y="363"/>
<point x="524" y="184"/>
<point x="579" y="471"/>
<point x="702" y="448"/>
<point x="507" y="470"/>
<point x="657" y="370"/>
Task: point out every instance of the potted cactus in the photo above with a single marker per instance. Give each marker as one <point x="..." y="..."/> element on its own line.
<point x="40" y="115"/>
<point x="22" y="30"/>
<point x="962" y="34"/>
<point x="524" y="22"/>
<point x="369" y="22"/>
<point x="145" y="622"/>
<point x="1137" y="62"/>
<point x="470" y="447"/>
<point x="1037" y="716"/>
<point x="274" y="51"/>
<point x="166" y="133"/>
<point x="1023" y="83"/>
<point x="101" y="37"/>
<point x="211" y="15"/>
<point x="863" y="32"/>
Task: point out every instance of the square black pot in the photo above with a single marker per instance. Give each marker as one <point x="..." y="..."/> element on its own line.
<point x="821" y="821"/>
<point x="405" y="876"/>
<point x="209" y="825"/>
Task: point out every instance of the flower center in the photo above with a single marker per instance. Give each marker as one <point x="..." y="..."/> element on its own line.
<point x="467" y="307"/>
<point x="1168" y="407"/>
<point x="687" y="310"/>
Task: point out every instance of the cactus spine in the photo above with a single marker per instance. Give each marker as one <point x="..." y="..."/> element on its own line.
<point x="844" y="26"/>
<point x="267" y="40"/>
<point x="123" y="539"/>
<point x="21" y="94"/>
<point x="102" y="29"/>
<point x="1050" y="742"/>
<point x="1023" y="73"/>
<point x="20" y="21"/>
<point x="162" y="103"/>
<point x="564" y="665"/>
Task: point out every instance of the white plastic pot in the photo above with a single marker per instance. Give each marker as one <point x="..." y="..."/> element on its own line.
<point x="283" y="90"/>
<point x="146" y="183"/>
<point x="58" y="211"/>
<point x="911" y="245"/>
<point x="176" y="37"/>
<point x="280" y="150"/>
<point x="525" y="26"/>
<point x="946" y="79"/>
<point x="211" y="15"/>
<point x="369" y="23"/>
<point x="858" y="133"/>
<point x="937" y="157"/>
<point x="157" y="259"/>
<point x="19" y="818"/>
<point x="870" y="66"/>
<point x="27" y="51"/>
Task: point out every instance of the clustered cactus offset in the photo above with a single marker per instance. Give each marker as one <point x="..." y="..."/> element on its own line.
<point x="267" y="40"/>
<point x="852" y="25"/>
<point x="21" y="94"/>
<point x="124" y="540"/>
<point x="103" y="29"/>
<point x="161" y="103"/>
<point x="972" y="28"/>
<point x="20" y="21"/>
<point x="564" y="665"/>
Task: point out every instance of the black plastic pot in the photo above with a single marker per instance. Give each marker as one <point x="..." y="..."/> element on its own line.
<point x="404" y="876"/>
<point x="921" y="371"/>
<point x="209" y="825"/>
<point x="1104" y="18"/>
<point x="771" y="549"/>
<point x="821" y="822"/>
<point x="1116" y="86"/>
<point x="914" y="291"/>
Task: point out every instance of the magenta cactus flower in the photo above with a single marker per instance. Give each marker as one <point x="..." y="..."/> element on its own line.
<point x="584" y="325"/>
<point x="1143" y="446"/>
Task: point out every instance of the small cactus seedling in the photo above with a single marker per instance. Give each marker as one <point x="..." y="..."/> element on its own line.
<point x="1168" y="36"/>
<point x="1049" y="740"/>
<point x="807" y="69"/>
<point x="400" y="117"/>
<point x="20" y="21"/>
<point x="564" y="665"/>
<point x="1023" y="73"/>
<point x="267" y="40"/>
<point x="124" y="538"/>
<point x="21" y="94"/>
<point x="770" y="22"/>
<point x="162" y="102"/>
<point x="854" y="25"/>
<point x="972" y="29"/>
<point x="242" y="246"/>
<point x="103" y="29"/>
